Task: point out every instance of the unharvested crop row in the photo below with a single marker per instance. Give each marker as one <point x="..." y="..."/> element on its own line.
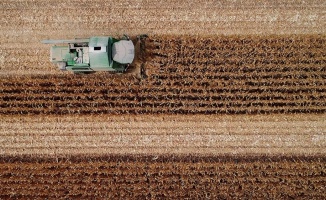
<point x="161" y="82"/>
<point x="290" y="82"/>
<point x="262" y="98"/>
<point x="149" y="107"/>
<point x="172" y="98"/>
<point x="254" y="51"/>
<point x="148" y="178"/>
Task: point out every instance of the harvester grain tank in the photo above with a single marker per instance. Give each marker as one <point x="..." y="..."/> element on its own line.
<point x="94" y="54"/>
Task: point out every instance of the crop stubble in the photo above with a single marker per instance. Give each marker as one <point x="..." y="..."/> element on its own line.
<point x="163" y="134"/>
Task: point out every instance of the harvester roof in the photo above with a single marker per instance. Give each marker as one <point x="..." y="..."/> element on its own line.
<point x="98" y="52"/>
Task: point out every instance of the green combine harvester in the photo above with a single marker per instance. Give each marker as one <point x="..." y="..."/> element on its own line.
<point x="83" y="56"/>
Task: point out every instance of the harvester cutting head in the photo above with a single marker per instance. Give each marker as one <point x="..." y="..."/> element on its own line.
<point x="96" y="54"/>
<point x="139" y="63"/>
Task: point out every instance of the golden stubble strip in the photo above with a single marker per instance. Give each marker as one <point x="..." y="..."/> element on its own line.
<point x="163" y="134"/>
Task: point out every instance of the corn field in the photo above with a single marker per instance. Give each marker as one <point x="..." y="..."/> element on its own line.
<point x="233" y="106"/>
<point x="189" y="75"/>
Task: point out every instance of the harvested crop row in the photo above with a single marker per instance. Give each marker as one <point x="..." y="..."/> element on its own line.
<point x="234" y="74"/>
<point x="159" y="134"/>
<point x="163" y="176"/>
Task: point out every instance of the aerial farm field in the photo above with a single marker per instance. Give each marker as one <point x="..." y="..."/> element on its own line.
<point x="233" y="104"/>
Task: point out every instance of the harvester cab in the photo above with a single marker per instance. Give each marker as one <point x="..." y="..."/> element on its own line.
<point x="97" y="54"/>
